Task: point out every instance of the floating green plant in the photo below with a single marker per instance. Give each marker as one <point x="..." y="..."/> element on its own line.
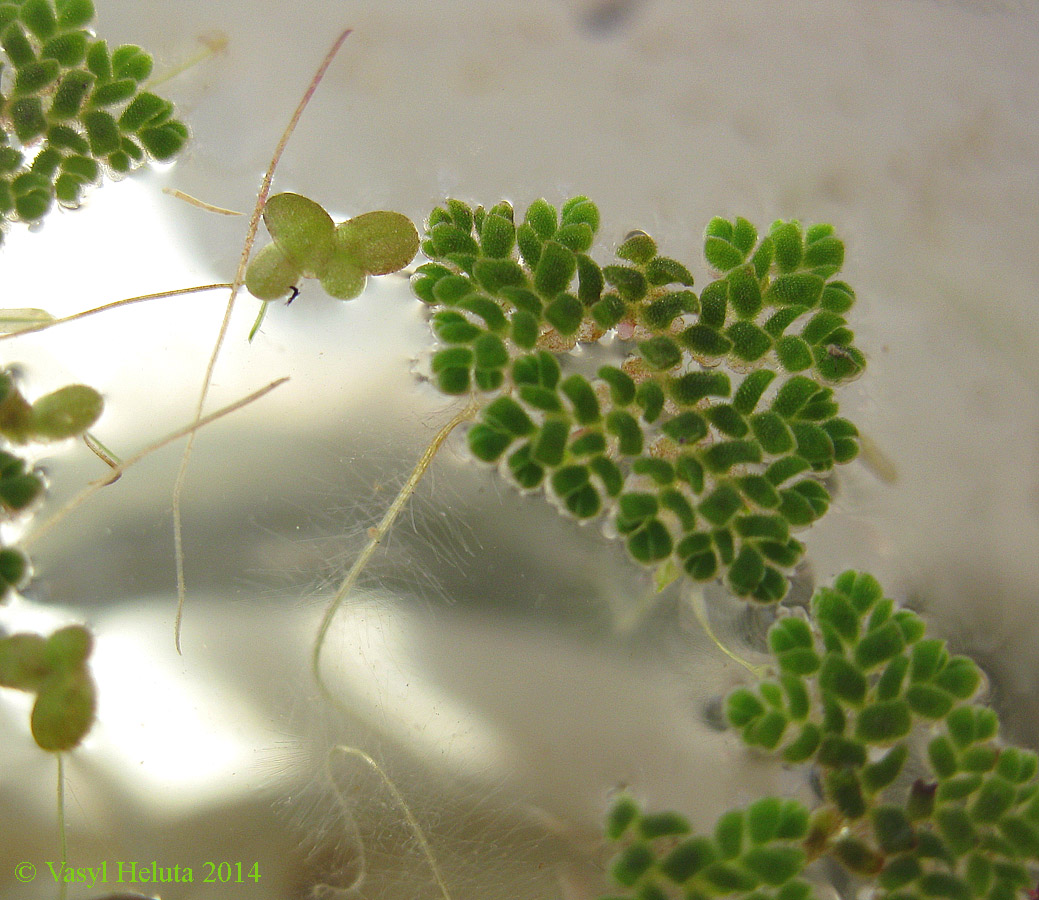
<point x="704" y="445"/>
<point x="867" y="701"/>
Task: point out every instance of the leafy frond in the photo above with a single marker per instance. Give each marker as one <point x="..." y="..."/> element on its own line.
<point x="704" y="446"/>
<point x="73" y="108"/>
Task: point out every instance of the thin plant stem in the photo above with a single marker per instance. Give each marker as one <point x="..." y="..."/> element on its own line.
<point x="119" y="469"/>
<point x="239" y="280"/>
<point x="176" y="292"/>
<point x="201" y="204"/>
<point x="211" y="47"/>
<point x="700" y="611"/>
<point x="409" y="816"/>
<point x="62" y="835"/>
<point x="379" y="532"/>
<point x="103" y="453"/>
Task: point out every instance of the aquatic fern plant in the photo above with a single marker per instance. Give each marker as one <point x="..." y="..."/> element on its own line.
<point x="917" y="791"/>
<point x="700" y="430"/>
<point x="73" y="109"/>
<point x="704" y="444"/>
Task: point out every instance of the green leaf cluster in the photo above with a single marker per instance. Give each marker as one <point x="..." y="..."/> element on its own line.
<point x="755" y="853"/>
<point x="860" y="690"/>
<point x="65" y="413"/>
<point x="308" y="244"/>
<point x="72" y="108"/>
<point x="55" y="670"/>
<point x="704" y="445"/>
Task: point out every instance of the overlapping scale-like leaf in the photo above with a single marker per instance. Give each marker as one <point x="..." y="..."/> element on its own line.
<point x="703" y="443"/>
<point x="72" y="108"/>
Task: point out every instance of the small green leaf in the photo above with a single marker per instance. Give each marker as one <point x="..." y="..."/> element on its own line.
<point x="23" y="665"/>
<point x="622" y="815"/>
<point x="721" y="254"/>
<point x="884" y="721"/>
<point x="112" y="92"/>
<point x="582" y="396"/>
<point x="17" y="46"/>
<point x="75" y="13"/>
<point x="749" y="342"/>
<point x="69" y="95"/>
<point x="27" y="117"/>
<point x="660" y="352"/>
<point x="379" y="242"/>
<point x="497" y="236"/>
<point x="580" y="209"/>
<point x="786" y="239"/>
<point x="541" y="216"/>
<point x="301" y="229"/>
<point x="929" y="701"/>
<point x="688" y="859"/>
<point x="565" y="313"/>
<point x="555" y="269"/>
<point x="995" y="798"/>
<point x="857" y="856"/>
<point x="774" y="865"/>
<point x="271" y="274"/>
<point x="728" y="834"/>
<point x="341" y="277"/>
<point x="703" y="340"/>
<point x="130" y="61"/>
<point x="943" y="884"/>
<point x="66" y="412"/>
<point x="836" y="751"/>
<point x="663" y="270"/>
<point x="488" y="443"/>
<point x="803" y="747"/>
<point x="665" y="824"/>
<point x="878" y="775"/>
<point x="899" y="871"/>
<point x="550" y="444"/>
<point x="64" y="712"/>
<point x="627" y="430"/>
<point x="629" y="283"/>
<point x="34" y="77"/>
<point x="145" y="109"/>
<point x="692" y="387"/>
<point x="843" y="787"/>
<point x="576" y="236"/>
<point x="960" y="676"/>
<point x="893" y="829"/>
<point x="632" y="864"/>
<point x="638" y="248"/>
<point x="14" y="573"/>
<point x="742" y="707"/>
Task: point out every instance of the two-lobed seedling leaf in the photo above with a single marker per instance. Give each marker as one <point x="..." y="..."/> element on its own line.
<point x="307" y="244"/>
<point x="697" y="446"/>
